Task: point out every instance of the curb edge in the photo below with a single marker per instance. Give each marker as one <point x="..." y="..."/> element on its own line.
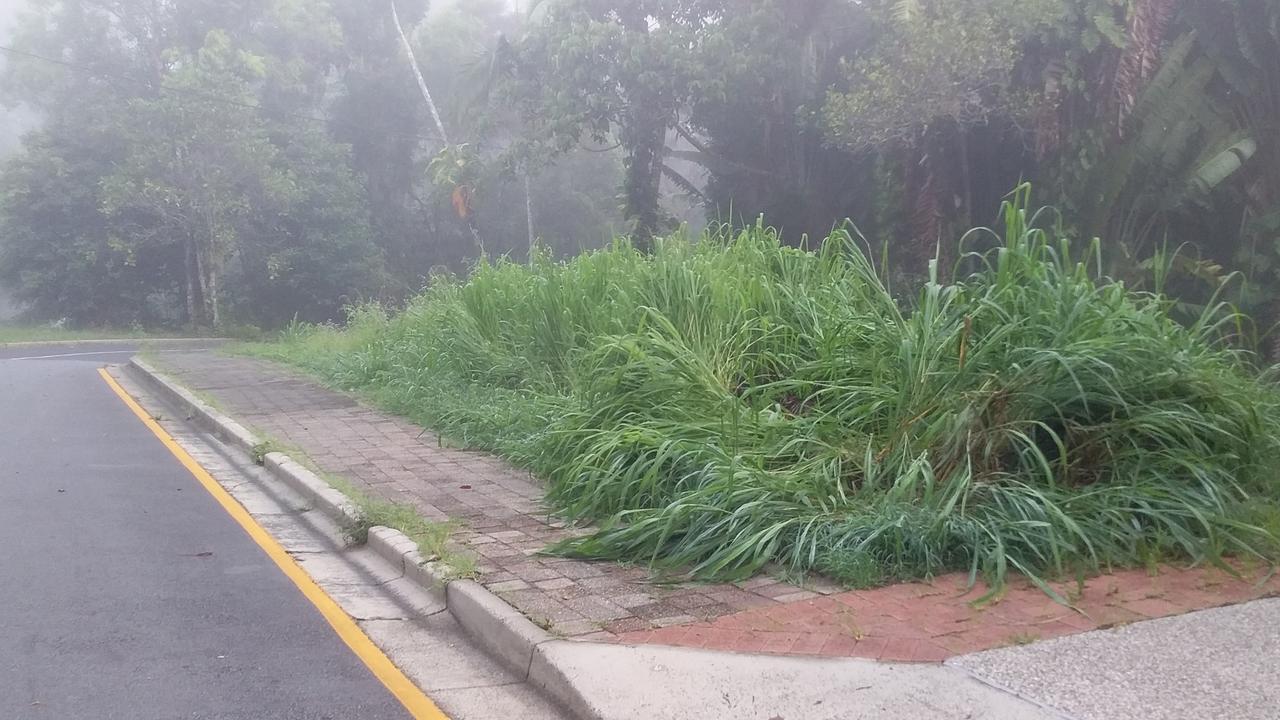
<point x="497" y="627"/>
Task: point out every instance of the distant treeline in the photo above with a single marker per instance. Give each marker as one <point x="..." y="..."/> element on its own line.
<point x="248" y="161"/>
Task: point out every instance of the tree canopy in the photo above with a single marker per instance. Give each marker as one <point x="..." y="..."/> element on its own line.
<point x="254" y="160"/>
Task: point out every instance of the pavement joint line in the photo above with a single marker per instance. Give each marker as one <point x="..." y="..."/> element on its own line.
<point x="482" y="686"/>
<point x="383" y="583"/>
<point x="1007" y="691"/>
<point x="410" y="696"/>
<point x="495" y="626"/>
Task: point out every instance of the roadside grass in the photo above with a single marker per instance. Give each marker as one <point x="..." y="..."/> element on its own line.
<point x="719" y="405"/>
<point x="432" y="537"/>
<point x="18" y="333"/>
<point x="36" y="333"/>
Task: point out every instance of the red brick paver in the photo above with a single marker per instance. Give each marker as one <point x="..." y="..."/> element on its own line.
<point x="930" y="622"/>
<point x="502" y="522"/>
<point x="503" y="525"/>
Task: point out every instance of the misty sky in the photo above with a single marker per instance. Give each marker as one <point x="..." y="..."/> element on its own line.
<point x="8" y="10"/>
<point x="13" y="122"/>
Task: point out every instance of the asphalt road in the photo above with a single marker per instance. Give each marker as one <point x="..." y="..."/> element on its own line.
<point x="125" y="590"/>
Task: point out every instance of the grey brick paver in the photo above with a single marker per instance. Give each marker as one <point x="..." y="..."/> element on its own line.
<point x="502" y="521"/>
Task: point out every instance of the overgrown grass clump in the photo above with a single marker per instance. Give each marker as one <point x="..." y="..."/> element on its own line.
<point x="718" y="405"/>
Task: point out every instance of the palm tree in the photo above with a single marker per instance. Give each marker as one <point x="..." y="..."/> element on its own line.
<point x="461" y="193"/>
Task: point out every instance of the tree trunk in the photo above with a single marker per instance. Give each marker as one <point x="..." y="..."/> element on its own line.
<point x="202" y="275"/>
<point x="644" y="138"/>
<point x="214" y="313"/>
<point x="644" y="175"/>
<point x="966" y="177"/>
<point x="1148" y="24"/>
<point x="417" y="73"/>
<point x="470" y="220"/>
<point x="924" y="209"/>
<point x="193" y="304"/>
<point x="528" y="213"/>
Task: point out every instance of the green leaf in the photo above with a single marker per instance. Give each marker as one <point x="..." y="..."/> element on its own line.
<point x="1112" y="31"/>
<point x="1218" y="168"/>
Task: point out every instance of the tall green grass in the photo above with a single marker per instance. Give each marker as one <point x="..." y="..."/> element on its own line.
<point x="722" y="404"/>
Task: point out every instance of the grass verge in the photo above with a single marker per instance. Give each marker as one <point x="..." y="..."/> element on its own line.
<point x="432" y="538"/>
<point x="718" y="405"/>
<point x="30" y="334"/>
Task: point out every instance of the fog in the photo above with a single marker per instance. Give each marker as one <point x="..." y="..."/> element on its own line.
<point x="17" y="119"/>
<point x="252" y="162"/>
<point x="9" y="9"/>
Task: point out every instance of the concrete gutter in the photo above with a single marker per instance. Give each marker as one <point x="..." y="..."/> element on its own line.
<point x="501" y="630"/>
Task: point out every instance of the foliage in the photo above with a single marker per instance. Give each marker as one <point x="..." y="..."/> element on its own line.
<point x="617" y="72"/>
<point x="1180" y="145"/>
<point x="59" y="254"/>
<point x="719" y="405"/>
<point x="1142" y="118"/>
<point x="256" y="160"/>
<point x="1147" y="120"/>
<point x="937" y="61"/>
<point x="1243" y="38"/>
<point x="432" y="538"/>
<point x="762" y="143"/>
<point x="308" y="253"/>
<point x="197" y="166"/>
<point x="188" y="187"/>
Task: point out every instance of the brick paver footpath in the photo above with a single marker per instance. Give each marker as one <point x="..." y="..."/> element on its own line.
<point x="503" y="525"/>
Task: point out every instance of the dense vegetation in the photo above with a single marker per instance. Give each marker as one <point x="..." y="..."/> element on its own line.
<point x="717" y="405"/>
<point x="253" y="160"/>
<point x="888" y="403"/>
<point x="216" y="163"/>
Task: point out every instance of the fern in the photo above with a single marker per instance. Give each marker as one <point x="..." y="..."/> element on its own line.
<point x="907" y="11"/>
<point x="686" y="186"/>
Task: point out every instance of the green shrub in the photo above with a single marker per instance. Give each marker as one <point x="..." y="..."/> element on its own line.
<point x="721" y="404"/>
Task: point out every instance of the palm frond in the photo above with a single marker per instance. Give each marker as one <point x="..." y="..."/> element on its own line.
<point x="906" y="11"/>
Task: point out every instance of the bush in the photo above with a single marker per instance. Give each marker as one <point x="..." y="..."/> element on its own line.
<point x="718" y="405"/>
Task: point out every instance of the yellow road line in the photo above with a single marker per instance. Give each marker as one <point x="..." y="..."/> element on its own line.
<point x="410" y="696"/>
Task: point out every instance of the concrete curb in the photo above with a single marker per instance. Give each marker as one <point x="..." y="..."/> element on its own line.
<point x="498" y="628"/>
<point x="322" y="496"/>
<point x="548" y="675"/>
